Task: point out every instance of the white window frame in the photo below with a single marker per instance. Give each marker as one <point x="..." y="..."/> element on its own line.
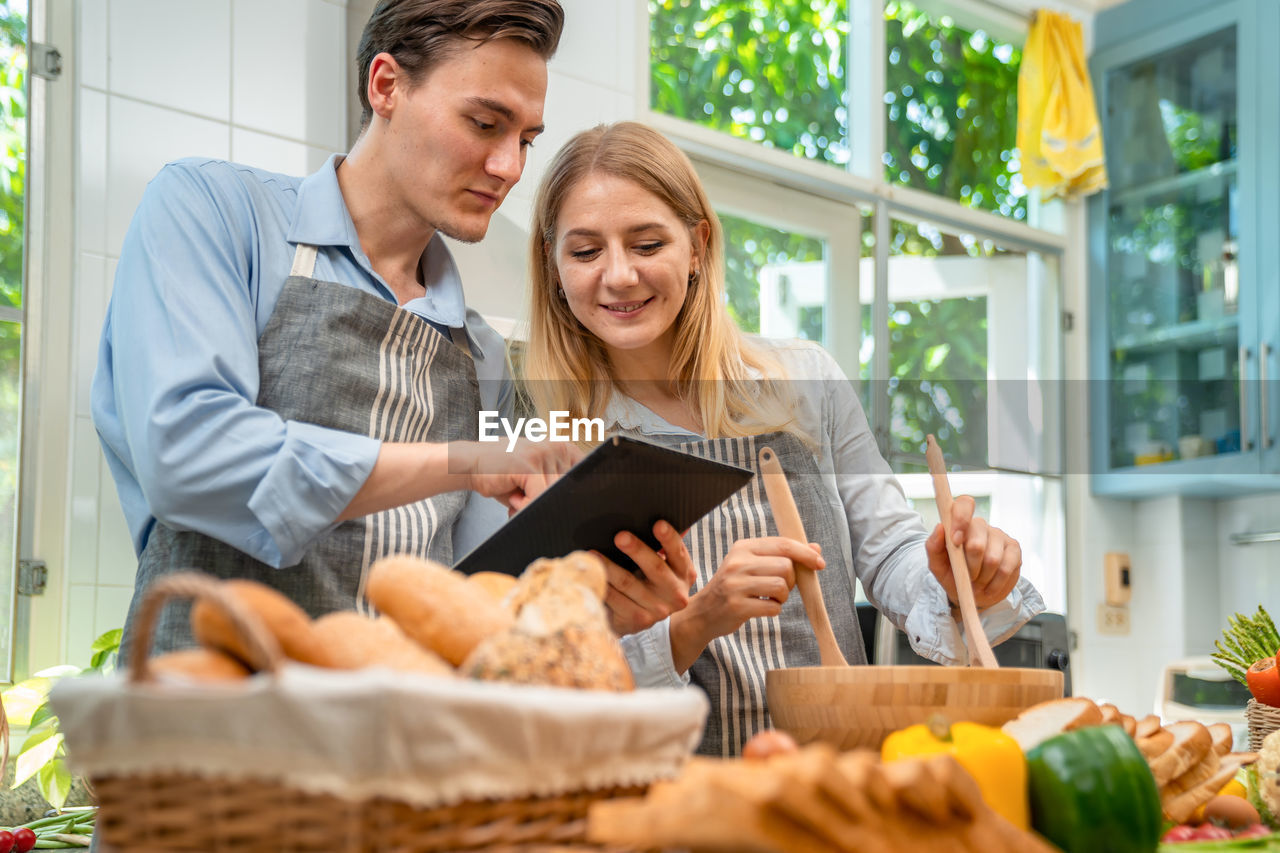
<point x="773" y="187"/>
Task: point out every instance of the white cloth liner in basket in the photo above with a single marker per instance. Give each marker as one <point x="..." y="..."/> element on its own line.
<point x="376" y="733"/>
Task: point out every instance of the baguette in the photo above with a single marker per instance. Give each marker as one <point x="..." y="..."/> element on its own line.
<point x="282" y="618"/>
<point x="202" y="665"/>
<point x="434" y="605"/>
<point x="354" y="641"/>
<point x="496" y="584"/>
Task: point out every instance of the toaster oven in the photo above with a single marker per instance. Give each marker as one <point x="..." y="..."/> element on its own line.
<point x="1042" y="643"/>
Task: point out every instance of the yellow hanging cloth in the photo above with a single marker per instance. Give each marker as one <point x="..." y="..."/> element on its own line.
<point x="1059" y="136"/>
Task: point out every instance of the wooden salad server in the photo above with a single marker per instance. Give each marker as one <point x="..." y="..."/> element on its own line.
<point x="976" y="637"/>
<point x="787" y="517"/>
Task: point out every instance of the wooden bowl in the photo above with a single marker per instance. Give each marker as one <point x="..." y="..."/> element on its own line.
<point x="858" y="706"/>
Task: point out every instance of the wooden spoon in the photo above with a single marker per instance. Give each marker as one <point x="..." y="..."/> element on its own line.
<point x="787" y="517"/>
<point x="976" y="637"/>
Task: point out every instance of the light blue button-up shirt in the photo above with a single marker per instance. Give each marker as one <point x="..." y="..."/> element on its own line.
<point x="202" y="266"/>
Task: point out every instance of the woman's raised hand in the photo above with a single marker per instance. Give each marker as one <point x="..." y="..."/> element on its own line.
<point x="754" y="579"/>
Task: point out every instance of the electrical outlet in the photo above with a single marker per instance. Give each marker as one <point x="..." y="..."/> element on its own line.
<point x="1113" y="619"/>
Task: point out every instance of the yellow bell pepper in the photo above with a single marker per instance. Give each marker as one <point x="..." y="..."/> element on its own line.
<point x="992" y="757"/>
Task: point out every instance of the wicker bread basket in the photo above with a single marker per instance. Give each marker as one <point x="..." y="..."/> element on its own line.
<point x="177" y="768"/>
<point x="1262" y="720"/>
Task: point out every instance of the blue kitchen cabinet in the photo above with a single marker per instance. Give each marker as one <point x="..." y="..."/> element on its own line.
<point x="1184" y="250"/>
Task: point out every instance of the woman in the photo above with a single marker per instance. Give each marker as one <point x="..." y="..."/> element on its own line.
<point x="628" y="323"/>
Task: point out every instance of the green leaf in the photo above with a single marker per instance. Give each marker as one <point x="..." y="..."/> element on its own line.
<point x="30" y="760"/>
<point x="44" y="712"/>
<point x="55" y="782"/>
<point x="108" y="642"/>
<point x="935" y="355"/>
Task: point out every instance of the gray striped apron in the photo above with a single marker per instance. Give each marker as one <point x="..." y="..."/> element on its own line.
<point x="340" y="358"/>
<point x="732" y="668"/>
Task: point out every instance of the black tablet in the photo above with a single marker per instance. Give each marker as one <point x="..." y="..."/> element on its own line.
<point x="624" y="484"/>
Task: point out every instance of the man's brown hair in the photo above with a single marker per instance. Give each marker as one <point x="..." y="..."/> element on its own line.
<point x="422" y="33"/>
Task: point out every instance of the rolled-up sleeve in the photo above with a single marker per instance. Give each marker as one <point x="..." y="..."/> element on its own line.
<point x="174" y="394"/>
<point x="887" y="538"/>
<point x="648" y="653"/>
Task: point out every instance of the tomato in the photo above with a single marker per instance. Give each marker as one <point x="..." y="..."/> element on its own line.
<point x="1264" y="681"/>
<point x="1184" y="832"/>
<point x="1258" y="830"/>
<point x="23" y="839"/>
<point x="768" y="743"/>
<point x="1211" y="832"/>
<point x="6" y="841"/>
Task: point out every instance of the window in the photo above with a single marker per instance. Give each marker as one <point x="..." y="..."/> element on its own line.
<point x="861" y="156"/>
<point x="13" y="158"/>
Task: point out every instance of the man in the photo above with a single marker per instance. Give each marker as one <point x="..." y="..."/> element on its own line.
<point x="288" y="374"/>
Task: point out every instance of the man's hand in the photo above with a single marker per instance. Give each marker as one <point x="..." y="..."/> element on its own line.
<point x="994" y="557"/>
<point x="515" y="477"/>
<point x="635" y="603"/>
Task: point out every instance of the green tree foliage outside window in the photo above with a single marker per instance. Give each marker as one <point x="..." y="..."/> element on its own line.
<point x="774" y="72"/>
<point x="951" y="96"/>
<point x="13" y="158"/>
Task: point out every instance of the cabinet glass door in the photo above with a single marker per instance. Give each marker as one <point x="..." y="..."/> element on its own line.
<point x="1172" y="251"/>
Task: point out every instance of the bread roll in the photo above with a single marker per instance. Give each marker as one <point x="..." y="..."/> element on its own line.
<point x="434" y="605"/>
<point x="202" y="665"/>
<point x="282" y="618"/>
<point x="496" y="584"/>
<point x="354" y="641"/>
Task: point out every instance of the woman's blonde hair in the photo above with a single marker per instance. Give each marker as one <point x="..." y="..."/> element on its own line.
<point x="729" y="383"/>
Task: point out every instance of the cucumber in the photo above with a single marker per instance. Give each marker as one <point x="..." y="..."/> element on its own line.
<point x="1091" y="791"/>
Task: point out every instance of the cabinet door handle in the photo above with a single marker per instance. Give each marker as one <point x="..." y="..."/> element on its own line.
<point x="1264" y="353"/>
<point x="1246" y="443"/>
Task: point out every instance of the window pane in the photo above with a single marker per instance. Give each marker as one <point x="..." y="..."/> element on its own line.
<point x="951" y="96"/>
<point x="772" y="71"/>
<point x="971" y="335"/>
<point x="13" y="146"/>
<point x="13" y="157"/>
<point x="776" y="280"/>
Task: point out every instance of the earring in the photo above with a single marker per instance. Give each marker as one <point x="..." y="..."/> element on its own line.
<point x="693" y="276"/>
<point x="562" y="293"/>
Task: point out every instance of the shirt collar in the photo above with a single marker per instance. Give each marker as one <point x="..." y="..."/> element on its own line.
<point x="321" y="218"/>
<point x="627" y="415"/>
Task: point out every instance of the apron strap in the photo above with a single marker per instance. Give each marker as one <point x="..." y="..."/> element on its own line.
<point x="304" y="261"/>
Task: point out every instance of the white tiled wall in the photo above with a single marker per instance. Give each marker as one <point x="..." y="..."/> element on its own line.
<point x="592" y="79"/>
<point x="260" y="81"/>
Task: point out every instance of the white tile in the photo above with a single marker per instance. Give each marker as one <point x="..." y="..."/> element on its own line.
<point x="90" y="309"/>
<point x="91" y="172"/>
<point x="117" y="563"/>
<point x="91" y="43"/>
<point x="113" y="606"/>
<point x="142" y="139"/>
<point x="289" y="75"/>
<point x="176" y="53"/>
<point x="589" y="44"/>
<point x="571" y="106"/>
<point x="269" y="152"/>
<point x="633" y="41"/>
<point x="82" y="545"/>
<point x="82" y="604"/>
